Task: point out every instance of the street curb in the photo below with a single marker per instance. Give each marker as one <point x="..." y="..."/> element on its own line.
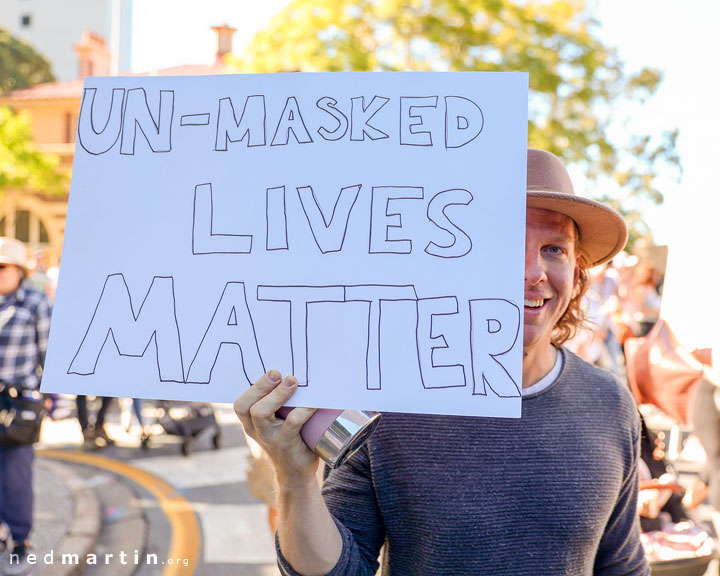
<point x="84" y="530"/>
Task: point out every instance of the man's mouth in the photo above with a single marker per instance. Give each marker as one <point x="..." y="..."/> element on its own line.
<point x="534" y="303"/>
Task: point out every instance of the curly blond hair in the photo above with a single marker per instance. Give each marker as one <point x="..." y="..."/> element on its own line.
<point x="574" y="317"/>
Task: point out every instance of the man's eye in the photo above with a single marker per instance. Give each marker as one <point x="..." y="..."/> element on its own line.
<point x="554" y="250"/>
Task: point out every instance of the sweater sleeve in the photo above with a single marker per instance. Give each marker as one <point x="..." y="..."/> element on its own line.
<point x="620" y="550"/>
<point x="347" y="564"/>
<point x="350" y="496"/>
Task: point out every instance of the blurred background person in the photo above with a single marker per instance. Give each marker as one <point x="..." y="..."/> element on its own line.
<point x="94" y="433"/>
<point x="126" y="418"/>
<point x="596" y="341"/>
<point x="645" y="297"/>
<point x="24" y="330"/>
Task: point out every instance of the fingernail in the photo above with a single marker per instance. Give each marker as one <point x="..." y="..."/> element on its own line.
<point x="290" y="381"/>
<point x="274" y="376"/>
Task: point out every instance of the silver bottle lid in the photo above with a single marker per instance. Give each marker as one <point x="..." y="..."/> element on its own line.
<point x="345" y="436"/>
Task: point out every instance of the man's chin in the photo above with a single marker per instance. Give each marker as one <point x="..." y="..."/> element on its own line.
<point x="535" y="337"/>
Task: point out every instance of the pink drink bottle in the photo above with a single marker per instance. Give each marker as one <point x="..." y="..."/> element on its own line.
<point x="335" y="435"/>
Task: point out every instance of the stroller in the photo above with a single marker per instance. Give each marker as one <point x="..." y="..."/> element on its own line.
<point x="189" y="420"/>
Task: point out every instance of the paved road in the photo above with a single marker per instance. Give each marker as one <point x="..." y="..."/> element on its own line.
<point x="158" y="510"/>
<point x="156" y="503"/>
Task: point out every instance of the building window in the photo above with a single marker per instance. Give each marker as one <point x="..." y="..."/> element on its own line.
<point x="22" y="225"/>
<point x="26" y="226"/>
<point x="44" y="238"/>
<point x="26" y="21"/>
<point x="70" y="128"/>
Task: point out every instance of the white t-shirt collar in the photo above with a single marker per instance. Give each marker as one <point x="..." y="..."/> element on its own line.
<point x="547" y="380"/>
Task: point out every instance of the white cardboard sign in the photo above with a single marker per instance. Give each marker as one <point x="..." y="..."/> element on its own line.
<point x="364" y="231"/>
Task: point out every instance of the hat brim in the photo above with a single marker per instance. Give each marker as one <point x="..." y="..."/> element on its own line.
<point x="6" y="260"/>
<point x="603" y="232"/>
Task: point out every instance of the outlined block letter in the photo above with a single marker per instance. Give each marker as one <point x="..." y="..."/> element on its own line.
<point x="494" y="328"/>
<point x="204" y="240"/>
<point x="251" y="123"/>
<point x="276" y="235"/>
<point x="463" y="121"/>
<point x="329" y="105"/>
<point x="299" y="299"/>
<point x="137" y="116"/>
<point x="231" y="325"/>
<point x="376" y="295"/>
<point x="132" y="333"/>
<point x="461" y="243"/>
<point x="291" y="122"/>
<point x="411" y="119"/>
<point x="92" y="141"/>
<point x="360" y="117"/>
<point x="382" y="221"/>
<point x="437" y="372"/>
<point x="329" y="236"/>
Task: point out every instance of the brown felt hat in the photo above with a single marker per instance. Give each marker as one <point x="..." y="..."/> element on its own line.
<point x="603" y="232"/>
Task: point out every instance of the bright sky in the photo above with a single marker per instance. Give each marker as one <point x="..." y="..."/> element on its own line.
<point x="678" y="38"/>
<point x="681" y="40"/>
<point x="172" y="32"/>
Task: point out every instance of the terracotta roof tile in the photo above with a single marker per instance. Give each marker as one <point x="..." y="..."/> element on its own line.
<point x="50" y="90"/>
<point x="73" y="88"/>
<point x="188" y="70"/>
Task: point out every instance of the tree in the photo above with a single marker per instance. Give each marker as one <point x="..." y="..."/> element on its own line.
<point x="576" y="82"/>
<point x="20" y="66"/>
<point x="21" y="164"/>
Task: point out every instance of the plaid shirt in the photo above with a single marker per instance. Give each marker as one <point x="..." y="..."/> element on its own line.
<point x="24" y="329"/>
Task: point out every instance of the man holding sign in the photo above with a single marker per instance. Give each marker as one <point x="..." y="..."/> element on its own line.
<point x="458" y="495"/>
<point x="326" y="225"/>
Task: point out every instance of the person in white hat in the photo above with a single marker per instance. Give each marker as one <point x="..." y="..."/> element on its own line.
<point x="552" y="493"/>
<point x="24" y="329"/>
<point x="14" y="262"/>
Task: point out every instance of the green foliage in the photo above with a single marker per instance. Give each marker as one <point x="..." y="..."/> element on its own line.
<point x="21" y="164"/>
<point x="576" y="82"/>
<point x="20" y="65"/>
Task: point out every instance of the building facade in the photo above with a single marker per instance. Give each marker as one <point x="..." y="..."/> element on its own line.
<point x="52" y="28"/>
<point x="39" y="219"/>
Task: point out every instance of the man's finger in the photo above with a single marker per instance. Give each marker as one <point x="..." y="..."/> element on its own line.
<point x="263" y="411"/>
<point x="266" y="384"/>
<point x="294" y="421"/>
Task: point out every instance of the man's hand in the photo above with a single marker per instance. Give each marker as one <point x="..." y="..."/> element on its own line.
<point x="309" y="539"/>
<point x="294" y="462"/>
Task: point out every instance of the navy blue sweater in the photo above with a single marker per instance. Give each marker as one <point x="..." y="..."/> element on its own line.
<point x="551" y="494"/>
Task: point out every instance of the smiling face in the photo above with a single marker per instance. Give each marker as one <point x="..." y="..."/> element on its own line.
<point x="551" y="274"/>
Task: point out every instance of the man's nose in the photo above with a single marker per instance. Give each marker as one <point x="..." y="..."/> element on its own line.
<point x="534" y="268"/>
